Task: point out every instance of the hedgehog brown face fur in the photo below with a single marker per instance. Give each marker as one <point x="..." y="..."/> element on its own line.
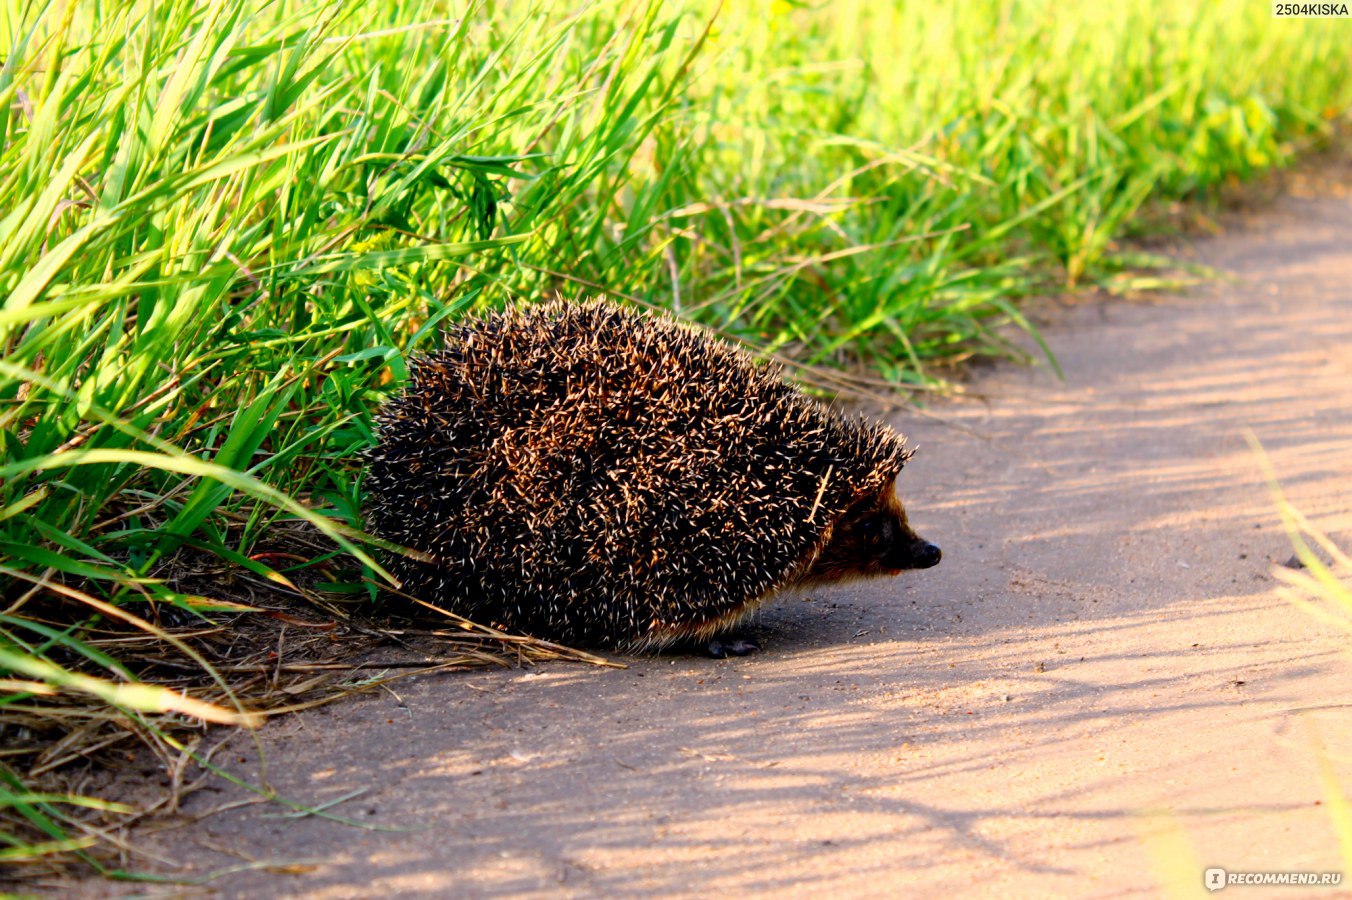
<point x="591" y="475"/>
<point x="872" y="538"/>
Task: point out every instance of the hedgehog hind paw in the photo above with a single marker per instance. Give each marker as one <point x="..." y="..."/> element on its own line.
<point x="732" y="645"/>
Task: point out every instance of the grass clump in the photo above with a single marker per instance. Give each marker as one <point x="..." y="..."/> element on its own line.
<point x="227" y="224"/>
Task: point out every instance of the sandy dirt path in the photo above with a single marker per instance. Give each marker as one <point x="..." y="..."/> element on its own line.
<point x="1103" y="642"/>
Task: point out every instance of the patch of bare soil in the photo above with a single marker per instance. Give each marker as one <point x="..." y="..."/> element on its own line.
<point x="1102" y="656"/>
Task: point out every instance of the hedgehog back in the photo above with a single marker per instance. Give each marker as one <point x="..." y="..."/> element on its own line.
<point x="590" y="475"/>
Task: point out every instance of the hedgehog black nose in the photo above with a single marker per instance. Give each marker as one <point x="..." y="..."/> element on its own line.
<point x="926" y="555"/>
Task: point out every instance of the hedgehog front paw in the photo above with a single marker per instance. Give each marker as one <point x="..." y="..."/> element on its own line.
<point x="722" y="648"/>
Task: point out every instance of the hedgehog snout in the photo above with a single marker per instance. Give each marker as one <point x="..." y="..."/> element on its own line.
<point x="914" y="553"/>
<point x="926" y="555"/>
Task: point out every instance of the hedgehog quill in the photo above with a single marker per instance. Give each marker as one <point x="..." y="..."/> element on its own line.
<point x="590" y="475"/>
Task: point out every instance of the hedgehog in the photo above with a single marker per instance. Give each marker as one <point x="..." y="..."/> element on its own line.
<point x="586" y="474"/>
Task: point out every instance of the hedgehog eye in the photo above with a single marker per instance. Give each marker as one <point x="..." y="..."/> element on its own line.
<point x="876" y="529"/>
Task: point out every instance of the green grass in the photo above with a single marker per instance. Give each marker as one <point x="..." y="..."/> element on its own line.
<point x="225" y="225"/>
